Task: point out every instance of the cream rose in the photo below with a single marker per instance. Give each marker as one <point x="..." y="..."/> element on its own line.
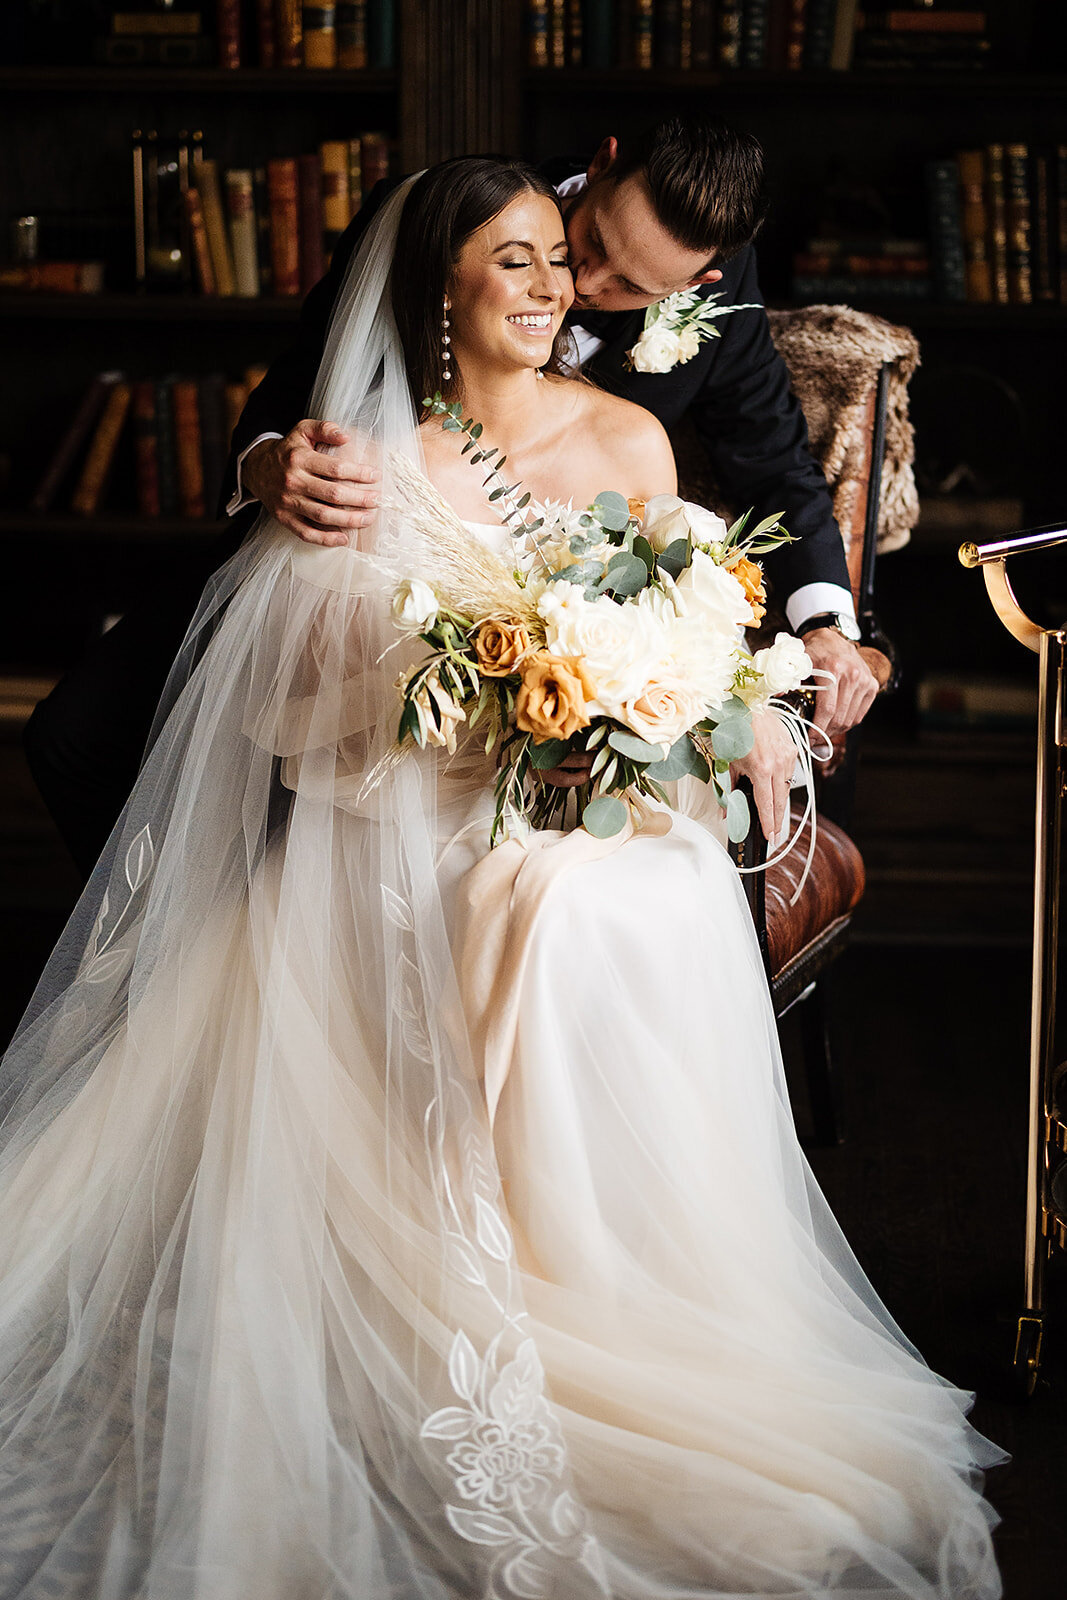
<point x="414" y="606"/>
<point x="783" y="666"/>
<point x="619" y="645"/>
<point x="709" y="591"/>
<point x="664" y="710"/>
<point x="657" y="350"/>
<point x="668" y="518"/>
<point x="689" y="342"/>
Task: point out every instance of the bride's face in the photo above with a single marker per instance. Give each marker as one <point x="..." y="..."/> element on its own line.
<point x="511" y="288"/>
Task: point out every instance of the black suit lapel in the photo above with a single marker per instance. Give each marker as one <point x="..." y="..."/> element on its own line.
<point x="609" y="367"/>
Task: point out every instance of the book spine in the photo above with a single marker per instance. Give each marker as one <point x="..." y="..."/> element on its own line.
<point x="261" y="202"/>
<point x="925" y="21"/>
<point x="537" y="53"/>
<point x="70" y="446"/>
<point x="819" y="35"/>
<point x="575" y="34"/>
<point x="319" y="30"/>
<point x="355" y="177"/>
<point x="668" y="34"/>
<point x="241" y="210"/>
<point x="997" y="206"/>
<point x="946" y="230"/>
<point x="979" y="277"/>
<point x="352" y="44"/>
<point x="55" y="277"/>
<point x="101" y="458"/>
<point x="557" y="33"/>
<point x="228" y="23"/>
<point x="214" y="437"/>
<point x="266" y="41"/>
<point x="375" y="153"/>
<point x="146" y="448"/>
<point x="187" y="448"/>
<point x="283" y="198"/>
<point x="334" y="168"/>
<point x="844" y="35"/>
<point x="728" y="36"/>
<point x="168" y="465"/>
<point x="848" y="286"/>
<point x="1020" y="267"/>
<point x="1061" y="220"/>
<point x="381" y="35"/>
<point x="309" y="180"/>
<point x="755" y="34"/>
<point x="287" y="33"/>
<point x="202" y="263"/>
<point x="795" y="29"/>
<point x="703" y="35"/>
<point x="642" y="24"/>
<point x="1041" y="211"/>
<point x="207" y="179"/>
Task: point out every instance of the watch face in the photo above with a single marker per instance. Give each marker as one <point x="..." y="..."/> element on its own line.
<point x="849" y="628"/>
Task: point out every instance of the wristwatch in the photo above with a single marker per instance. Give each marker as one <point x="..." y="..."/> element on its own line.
<point x="845" y="625"/>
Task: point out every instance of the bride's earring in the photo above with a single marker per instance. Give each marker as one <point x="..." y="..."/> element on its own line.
<point x="446" y="354"/>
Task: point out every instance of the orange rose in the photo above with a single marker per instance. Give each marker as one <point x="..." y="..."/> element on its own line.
<point x="749" y="575"/>
<point x="500" y="646"/>
<point x="551" y="700"/>
<point x="637" y="509"/>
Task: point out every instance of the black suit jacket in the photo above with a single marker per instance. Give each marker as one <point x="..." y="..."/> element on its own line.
<point x="736" y="391"/>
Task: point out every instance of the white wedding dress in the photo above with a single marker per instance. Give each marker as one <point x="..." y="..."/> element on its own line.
<point x="382" y="1218"/>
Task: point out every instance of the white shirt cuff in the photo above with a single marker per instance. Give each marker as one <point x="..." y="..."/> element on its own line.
<point x="240" y="499"/>
<point x="811" y="599"/>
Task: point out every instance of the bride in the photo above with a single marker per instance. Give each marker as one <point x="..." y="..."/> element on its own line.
<point x="385" y="1218"/>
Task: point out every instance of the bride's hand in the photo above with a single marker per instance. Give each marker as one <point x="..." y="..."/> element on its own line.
<point x="769" y="767"/>
<point x="572" y="771"/>
<point x="321" y="498"/>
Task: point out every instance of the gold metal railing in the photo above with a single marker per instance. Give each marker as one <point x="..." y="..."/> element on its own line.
<point x="1046" y="1207"/>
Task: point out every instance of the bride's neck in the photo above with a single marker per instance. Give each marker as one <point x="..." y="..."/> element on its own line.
<point x="505" y="404"/>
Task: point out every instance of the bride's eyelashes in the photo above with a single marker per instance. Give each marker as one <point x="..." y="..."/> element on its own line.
<point x="510" y="265"/>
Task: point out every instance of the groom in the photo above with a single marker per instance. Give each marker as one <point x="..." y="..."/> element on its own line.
<point x="676" y="209"/>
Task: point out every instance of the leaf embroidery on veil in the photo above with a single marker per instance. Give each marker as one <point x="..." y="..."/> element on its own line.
<point x="108" y="959"/>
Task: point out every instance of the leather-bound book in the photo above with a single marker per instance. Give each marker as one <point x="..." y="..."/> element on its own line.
<point x="288" y="33"/>
<point x="575" y="34"/>
<point x="728" y="34"/>
<point x="375" y="147"/>
<point x="320" y="35"/>
<point x="73" y="441"/>
<point x="352" y="35"/>
<point x="167" y="454"/>
<point x="796" y="15"/>
<point x="203" y="266"/>
<point x="265" y="34"/>
<point x="229" y="33"/>
<point x="283" y="192"/>
<point x="642" y="33"/>
<point x="537" y="51"/>
<point x="186" y="401"/>
<point x="703" y="35"/>
<point x="975" y="226"/>
<point x="756" y="33"/>
<point x="146" y="448"/>
<point x="309" y="181"/>
<point x="381" y="35"/>
<point x="946" y="230"/>
<point x="1044" y="259"/>
<point x="207" y="181"/>
<point x="844" y="39"/>
<point x="557" y="33"/>
<point x="1020" y="271"/>
<point x="355" y="176"/>
<point x="336" y="201"/>
<point x="261" y="200"/>
<point x="997" y="208"/>
<point x="819" y="35"/>
<point x="244" y="236"/>
<point x="101" y="457"/>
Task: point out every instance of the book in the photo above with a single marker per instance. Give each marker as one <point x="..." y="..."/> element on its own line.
<point x="336" y="201"/>
<point x="124" y="23"/>
<point x="1020" y="281"/>
<point x="309" y="184"/>
<point x="214" y="437"/>
<point x="54" y="277"/>
<point x="355" y="176"/>
<point x="975" y="219"/>
<point x="352" y="54"/>
<point x="203" y="267"/>
<point x="207" y="182"/>
<point x="923" y="21"/>
<point x="667" y="22"/>
<point x="862" y="265"/>
<point x="165" y="448"/>
<point x="819" y="35"/>
<point x="283" y="199"/>
<point x="997" y="207"/>
<point x="600" y="35"/>
<point x="557" y="33"/>
<point x="946" y="230"/>
<point x="244" y="242"/>
<point x="381" y="35"/>
<point x="642" y="34"/>
<point x="101" y="455"/>
<point x="795" y="31"/>
<point x="844" y="35"/>
<point x="265" y="36"/>
<point x="537" y="53"/>
<point x="685" y="35"/>
<point x="228" y="32"/>
<point x="852" y="286"/>
<point x="375" y="157"/>
<point x="728" y="36"/>
<point x="755" y="34"/>
<point x="187" y="448"/>
<point x="73" y="441"/>
<point x="261" y="203"/>
<point x="319" y="35"/>
<point x="288" y="33"/>
<point x="146" y="448"/>
<point x="703" y="35"/>
<point x="1044" y="256"/>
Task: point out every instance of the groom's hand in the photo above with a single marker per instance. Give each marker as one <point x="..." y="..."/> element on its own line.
<point x="572" y="771"/>
<point x="843" y="699"/>
<point x="321" y="498"/>
<point x="769" y="768"/>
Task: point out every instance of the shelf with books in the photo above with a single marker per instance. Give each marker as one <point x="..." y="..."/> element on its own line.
<point x="191" y="80"/>
<point x="148" y="307"/>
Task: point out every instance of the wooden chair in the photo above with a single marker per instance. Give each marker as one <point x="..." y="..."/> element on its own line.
<point x="799" y="941"/>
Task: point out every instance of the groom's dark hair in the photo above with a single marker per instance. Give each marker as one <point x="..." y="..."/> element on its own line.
<point x="446" y="205"/>
<point x="705" y="180"/>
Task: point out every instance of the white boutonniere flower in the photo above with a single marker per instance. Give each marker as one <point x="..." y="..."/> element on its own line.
<point x="675" y="329"/>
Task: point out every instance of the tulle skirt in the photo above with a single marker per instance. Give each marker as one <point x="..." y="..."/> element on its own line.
<point x="223" y="1313"/>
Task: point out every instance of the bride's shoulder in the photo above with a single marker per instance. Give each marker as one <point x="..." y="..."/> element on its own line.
<point x="630" y="438"/>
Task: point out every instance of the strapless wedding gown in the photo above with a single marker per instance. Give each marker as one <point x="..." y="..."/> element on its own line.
<point x="738" y="1412"/>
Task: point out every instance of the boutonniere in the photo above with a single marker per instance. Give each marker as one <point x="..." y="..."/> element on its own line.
<point x="675" y="329"/>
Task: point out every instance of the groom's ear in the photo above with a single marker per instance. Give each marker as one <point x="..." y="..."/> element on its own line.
<point x="711" y="276"/>
<point x="604" y="158"/>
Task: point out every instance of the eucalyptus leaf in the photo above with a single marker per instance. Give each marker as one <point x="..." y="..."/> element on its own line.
<point x="450" y="425"/>
<point x="625" y="574"/>
<point x="644" y="552"/>
<point x="582" y="572"/>
<point x="634" y="748"/>
<point x="683" y="760"/>
<point x="611" y="510"/>
<point x="604" y="816"/>
<point x="675" y="558"/>
<point x="476" y="431"/>
<point x="738" y="819"/>
<point x="549" y="754"/>
<point x="732" y="739"/>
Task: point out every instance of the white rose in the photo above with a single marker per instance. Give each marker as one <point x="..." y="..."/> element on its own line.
<point x="619" y="644"/>
<point x="782" y="666"/>
<point x="689" y="343"/>
<point x="709" y="591"/>
<point x="657" y="350"/>
<point x="668" y="518"/>
<point x="706" y="658"/>
<point x="666" y="708"/>
<point x="451" y="715"/>
<point x="414" y="606"/>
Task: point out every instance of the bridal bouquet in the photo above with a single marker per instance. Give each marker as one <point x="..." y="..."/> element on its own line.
<point x="616" y="630"/>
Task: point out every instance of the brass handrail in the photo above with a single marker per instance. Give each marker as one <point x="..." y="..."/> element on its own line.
<point x="991" y="558"/>
<point x="1016" y="544"/>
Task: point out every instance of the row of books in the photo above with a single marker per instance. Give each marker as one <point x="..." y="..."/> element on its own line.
<point x="347" y="35"/>
<point x="749" y="35"/>
<point x="998" y="224"/>
<point x="248" y="231"/>
<point x="175" y="432"/>
<point x="862" y="267"/>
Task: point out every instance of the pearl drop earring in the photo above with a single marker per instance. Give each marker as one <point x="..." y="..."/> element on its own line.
<point x="446" y="354"/>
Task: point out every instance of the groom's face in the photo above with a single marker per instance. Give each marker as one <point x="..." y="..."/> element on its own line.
<point x="622" y="257"/>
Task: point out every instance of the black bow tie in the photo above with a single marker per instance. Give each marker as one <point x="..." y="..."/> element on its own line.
<point x="599" y="323"/>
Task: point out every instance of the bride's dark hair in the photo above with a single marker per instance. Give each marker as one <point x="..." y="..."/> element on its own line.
<point x="447" y="204"/>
